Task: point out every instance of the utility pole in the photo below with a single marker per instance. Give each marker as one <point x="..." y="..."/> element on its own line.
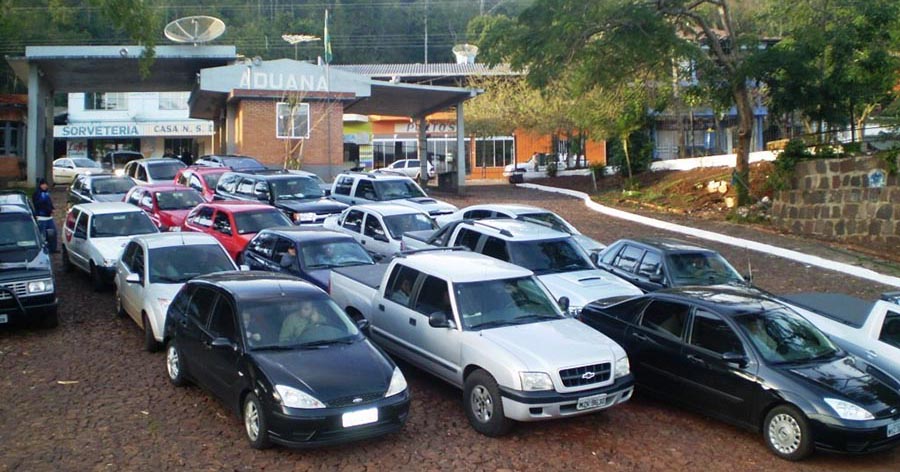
<point x="426" y="31"/>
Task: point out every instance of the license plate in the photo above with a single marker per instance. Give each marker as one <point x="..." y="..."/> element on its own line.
<point x="4" y="319"/>
<point x="592" y="401"/>
<point x="356" y="418"/>
<point x="893" y="429"/>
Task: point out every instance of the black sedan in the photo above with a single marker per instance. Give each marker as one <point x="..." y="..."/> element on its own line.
<point x="285" y="358"/>
<point x="742" y="357"/>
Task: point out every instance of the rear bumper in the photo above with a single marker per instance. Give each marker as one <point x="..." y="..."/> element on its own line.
<point x="853" y="437"/>
<point x="537" y="406"/>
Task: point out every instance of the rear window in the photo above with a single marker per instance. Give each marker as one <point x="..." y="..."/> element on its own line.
<point x="121" y="224"/>
<point x="164" y="170"/>
<point x="256" y="221"/>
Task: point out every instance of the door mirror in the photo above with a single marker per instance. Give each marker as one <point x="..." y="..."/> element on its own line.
<point x="748" y="278"/>
<point x="438" y="319"/>
<point x="363" y="325"/>
<point x="133" y="278"/>
<point x="735" y="358"/>
<point x="223" y="343"/>
<point x="656" y="278"/>
<point x="244" y="268"/>
<point x="563" y="304"/>
<point x="595" y="258"/>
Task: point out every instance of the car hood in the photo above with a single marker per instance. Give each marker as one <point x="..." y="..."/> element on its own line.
<point x="173" y="217"/>
<point x="427" y="204"/>
<point x="552" y="345"/>
<point x="329" y="373"/>
<point x="847" y="378"/>
<point x="321" y="205"/>
<point x="319" y="277"/>
<point x="110" y="248"/>
<point x="108" y="197"/>
<point x="585" y="286"/>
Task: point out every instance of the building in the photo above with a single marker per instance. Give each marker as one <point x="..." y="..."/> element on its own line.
<point x="13" y="116"/>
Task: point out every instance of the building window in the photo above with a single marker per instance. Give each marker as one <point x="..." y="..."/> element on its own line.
<point x="174" y="100"/>
<point x="292" y="120"/>
<point x="10" y="134"/>
<point x="106" y="101"/>
<point x="494" y="152"/>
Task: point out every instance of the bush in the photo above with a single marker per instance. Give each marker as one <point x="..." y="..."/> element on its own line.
<point x="794" y="152"/>
<point x="640" y="149"/>
<point x="552" y="169"/>
<point x="598" y="169"/>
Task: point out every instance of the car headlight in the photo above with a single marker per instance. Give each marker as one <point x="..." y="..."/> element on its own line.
<point x="535" y="381"/>
<point x="305" y="217"/>
<point x="40" y="286"/>
<point x="119" y="172"/>
<point x="849" y="411"/>
<point x="290" y="397"/>
<point x="398" y="383"/>
<point x="623" y="367"/>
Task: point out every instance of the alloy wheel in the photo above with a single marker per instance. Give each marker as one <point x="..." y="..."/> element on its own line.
<point x="785" y="433"/>
<point x="173" y="363"/>
<point x="251" y="420"/>
<point x="482" y="404"/>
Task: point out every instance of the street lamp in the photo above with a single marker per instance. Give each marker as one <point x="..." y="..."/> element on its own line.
<point x="296" y="39"/>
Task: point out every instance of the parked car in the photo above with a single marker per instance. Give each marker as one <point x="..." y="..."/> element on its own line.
<point x="231" y="162"/>
<point x="655" y="263"/>
<point x="380" y="227"/>
<point x="555" y="258"/>
<point x="153" y="268"/>
<point x="97" y="188"/>
<point x="155" y="170"/>
<point x="357" y="188"/>
<point x="740" y="356"/>
<point x="411" y="168"/>
<point x="279" y="353"/>
<point x="233" y="224"/>
<point x="18" y="198"/>
<point x="316" y="252"/>
<point x="27" y="285"/>
<point x="201" y="179"/>
<point x="65" y="169"/>
<point x="490" y="328"/>
<point x="537" y="163"/>
<point x="866" y="329"/>
<point x="116" y="161"/>
<point x="94" y="235"/>
<point x="167" y="205"/>
<point x="525" y="213"/>
<point x="296" y="194"/>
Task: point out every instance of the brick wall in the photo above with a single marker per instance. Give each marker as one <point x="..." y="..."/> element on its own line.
<point x="833" y="199"/>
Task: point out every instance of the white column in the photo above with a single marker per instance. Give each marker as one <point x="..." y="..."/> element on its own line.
<point x="460" y="150"/>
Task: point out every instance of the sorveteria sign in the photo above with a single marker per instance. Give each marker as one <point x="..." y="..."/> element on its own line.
<point x="131" y="129"/>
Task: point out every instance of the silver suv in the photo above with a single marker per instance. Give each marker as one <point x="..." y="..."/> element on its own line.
<point x="357" y="188"/>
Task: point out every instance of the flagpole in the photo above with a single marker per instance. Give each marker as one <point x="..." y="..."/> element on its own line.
<point x="327" y="41"/>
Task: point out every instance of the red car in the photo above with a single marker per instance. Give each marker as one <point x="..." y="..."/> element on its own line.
<point x="234" y="224"/>
<point x="201" y="179"/>
<point x="166" y="204"/>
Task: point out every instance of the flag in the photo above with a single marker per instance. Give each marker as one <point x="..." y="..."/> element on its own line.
<point x="327" y="41"/>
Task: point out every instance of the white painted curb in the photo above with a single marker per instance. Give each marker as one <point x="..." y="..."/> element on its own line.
<point x="817" y="261"/>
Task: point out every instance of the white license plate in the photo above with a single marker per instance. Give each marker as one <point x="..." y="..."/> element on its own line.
<point x="4" y="319"/>
<point x="592" y="401"/>
<point x="893" y="429"/>
<point x="356" y="418"/>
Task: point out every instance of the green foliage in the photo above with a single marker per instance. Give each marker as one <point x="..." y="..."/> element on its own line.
<point x="640" y="148"/>
<point x="794" y="152"/>
<point x="599" y="170"/>
<point x="891" y="159"/>
<point x="552" y="169"/>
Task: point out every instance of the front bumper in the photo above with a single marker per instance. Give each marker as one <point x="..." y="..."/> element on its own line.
<point x="537" y="406"/>
<point x="312" y="428"/>
<point x="30" y="308"/>
<point x="852" y="437"/>
<point x="107" y="274"/>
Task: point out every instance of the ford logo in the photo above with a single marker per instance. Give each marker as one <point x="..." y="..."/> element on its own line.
<point x="588" y="375"/>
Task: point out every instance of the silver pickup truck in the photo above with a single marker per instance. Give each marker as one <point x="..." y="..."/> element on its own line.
<point x="489" y="328"/>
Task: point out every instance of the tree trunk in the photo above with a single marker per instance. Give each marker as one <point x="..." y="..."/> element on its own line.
<point x="745" y="136"/>
<point x="627" y="156"/>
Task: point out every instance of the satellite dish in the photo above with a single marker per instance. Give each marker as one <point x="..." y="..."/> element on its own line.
<point x="195" y="29"/>
<point x="465" y="53"/>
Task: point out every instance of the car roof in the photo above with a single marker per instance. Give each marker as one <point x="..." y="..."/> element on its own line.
<point x="272" y="174"/>
<point x="157" y="160"/>
<point x="104" y="176"/>
<point x="165" y="186"/>
<point x="388" y="209"/>
<point x="205" y="169"/>
<point x="722" y="299"/>
<point x="156" y="240"/>
<point x="515" y="229"/>
<point x="307" y="234"/>
<point x="250" y="285"/>
<point x="107" y="208"/>
<point x="373" y="176"/>
<point x="238" y="206"/>
<point x="462" y="266"/>
<point x="666" y="244"/>
<point x="14" y="208"/>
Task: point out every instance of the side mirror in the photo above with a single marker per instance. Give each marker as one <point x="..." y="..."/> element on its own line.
<point x="133" y="278"/>
<point x="244" y="268"/>
<point x="564" y="304"/>
<point x="261" y="195"/>
<point x="438" y="319"/>
<point x="735" y="358"/>
<point x="595" y="258"/>
<point x="363" y="325"/>
<point x="380" y="237"/>
<point x="222" y="343"/>
<point x="748" y="278"/>
<point x="656" y="278"/>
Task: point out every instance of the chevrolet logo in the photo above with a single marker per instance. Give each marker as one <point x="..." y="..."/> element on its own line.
<point x="588" y="375"/>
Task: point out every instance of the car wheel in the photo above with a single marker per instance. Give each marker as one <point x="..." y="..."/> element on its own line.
<point x="96" y="279"/>
<point x="150" y="343"/>
<point x="120" y="309"/>
<point x="175" y="365"/>
<point x="787" y="433"/>
<point x="66" y="262"/>
<point x="484" y="406"/>
<point x="255" y="423"/>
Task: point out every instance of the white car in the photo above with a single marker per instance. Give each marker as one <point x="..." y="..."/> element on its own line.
<point x="411" y="168"/>
<point x="153" y="269"/>
<point x="156" y="170"/>
<point x="535" y="164"/>
<point x="94" y="235"/>
<point x="379" y="227"/>
<point x="525" y="213"/>
<point x="358" y="188"/>
<point x="65" y="169"/>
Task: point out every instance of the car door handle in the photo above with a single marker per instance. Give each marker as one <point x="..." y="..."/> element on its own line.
<point x="871" y="354"/>
<point x="695" y="360"/>
<point x="381" y="307"/>
<point x="412" y="321"/>
<point x="362" y="241"/>
<point x="640" y="336"/>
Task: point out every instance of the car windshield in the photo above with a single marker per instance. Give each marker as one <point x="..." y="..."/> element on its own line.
<point x="242" y="163"/>
<point x="782" y="336"/>
<point x="326" y="255"/>
<point x="494" y="303"/>
<point x="399" y="224"/>
<point x="212" y="179"/>
<point x="255" y="221"/>
<point x="397" y="189"/>
<point x="19" y="199"/>
<point x="82" y="162"/>
<point x="112" y="185"/>
<point x="295" y="188"/>
<point x="549" y="256"/>
<point x="548" y="219"/>
<point x="168" y="265"/>
<point x="164" y="170"/>
<point x="19" y="241"/>
<point x="289" y="323"/>
<point x="121" y="224"/>
<point x="178" y="199"/>
<point x="702" y="268"/>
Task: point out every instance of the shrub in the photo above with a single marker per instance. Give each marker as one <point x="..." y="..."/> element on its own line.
<point x="598" y="169"/>
<point x="552" y="169"/>
<point x="640" y="149"/>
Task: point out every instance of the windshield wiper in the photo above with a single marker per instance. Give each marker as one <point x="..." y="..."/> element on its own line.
<point x="325" y="342"/>
<point x="494" y="324"/>
<point x="169" y="280"/>
<point x="536" y="316"/>
<point x="274" y="347"/>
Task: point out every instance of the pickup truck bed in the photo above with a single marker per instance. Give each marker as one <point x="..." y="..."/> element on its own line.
<point x="845" y="309"/>
<point x="368" y="275"/>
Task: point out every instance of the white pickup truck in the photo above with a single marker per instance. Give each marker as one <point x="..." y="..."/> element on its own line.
<point x="489" y="328"/>
<point x="866" y="329"/>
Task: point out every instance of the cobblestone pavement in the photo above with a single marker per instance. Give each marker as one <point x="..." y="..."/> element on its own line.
<point x="85" y="396"/>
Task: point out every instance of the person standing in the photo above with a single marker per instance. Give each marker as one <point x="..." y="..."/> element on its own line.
<point x="43" y="210"/>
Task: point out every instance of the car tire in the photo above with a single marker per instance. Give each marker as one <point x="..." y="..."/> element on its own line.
<point x="787" y="433"/>
<point x="175" y="365"/>
<point x="483" y="405"/>
<point x="150" y="343"/>
<point x="120" y="309"/>
<point x="96" y="279"/>
<point x="255" y="425"/>
<point x="66" y="262"/>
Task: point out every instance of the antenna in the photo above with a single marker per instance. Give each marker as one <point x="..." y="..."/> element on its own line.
<point x="195" y="29"/>
<point x="749" y="266"/>
<point x="465" y="53"/>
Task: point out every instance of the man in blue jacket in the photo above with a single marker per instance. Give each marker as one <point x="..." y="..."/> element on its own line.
<point x="43" y="210"/>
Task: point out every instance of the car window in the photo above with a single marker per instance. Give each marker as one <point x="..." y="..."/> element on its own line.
<point x="249" y="222"/>
<point x="262" y="245"/>
<point x="628" y="258"/>
<point x="890" y="331"/>
<point x="72" y="218"/>
<point x="433" y="297"/>
<point x="496" y="248"/>
<point x="223" y="324"/>
<point x="182" y="299"/>
<point x="137" y="262"/>
<point x="397" y="225"/>
<point x="141" y="173"/>
<point x="245" y="187"/>
<point x="82" y="224"/>
<point x="478" y="214"/>
<point x="128" y="255"/>
<point x="353" y="221"/>
<point x="281" y="249"/>
<point x="201" y="305"/>
<point x="401" y="284"/>
<point x="665" y="317"/>
<point x="365" y="189"/>
<point x="134" y="198"/>
<point x="343" y="186"/>
<point x="228" y="183"/>
<point x="467" y="238"/>
<point x="373" y="227"/>
<point x="713" y="334"/>
<point x="651" y="265"/>
<point x="111" y="225"/>
<point x="164" y="171"/>
<point x="222" y="223"/>
<point x="194" y="183"/>
<point x="202" y="217"/>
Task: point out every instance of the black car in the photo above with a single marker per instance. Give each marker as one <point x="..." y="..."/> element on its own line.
<point x="655" y="263"/>
<point x="27" y="288"/>
<point x="233" y="162"/>
<point x="742" y="357"/>
<point x="285" y="358"/>
<point x="295" y="193"/>
<point x="316" y="252"/>
<point x="98" y="188"/>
